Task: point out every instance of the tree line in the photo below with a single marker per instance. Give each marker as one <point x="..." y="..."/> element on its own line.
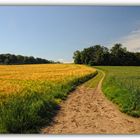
<point x="20" y="59"/>
<point x="100" y="55"/>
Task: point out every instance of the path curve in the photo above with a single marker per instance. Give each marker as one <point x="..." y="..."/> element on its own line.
<point x="88" y="111"/>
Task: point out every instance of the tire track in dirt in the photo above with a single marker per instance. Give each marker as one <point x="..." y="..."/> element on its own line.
<point x="88" y="111"/>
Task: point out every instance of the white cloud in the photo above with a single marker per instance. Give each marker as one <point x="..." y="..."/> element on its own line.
<point x="61" y="60"/>
<point x="132" y="41"/>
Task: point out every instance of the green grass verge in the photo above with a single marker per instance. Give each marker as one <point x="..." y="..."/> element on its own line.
<point x="122" y="86"/>
<point x="92" y="83"/>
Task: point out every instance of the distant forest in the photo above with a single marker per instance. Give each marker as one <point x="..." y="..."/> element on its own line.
<point x="8" y="59"/>
<point x="100" y="55"/>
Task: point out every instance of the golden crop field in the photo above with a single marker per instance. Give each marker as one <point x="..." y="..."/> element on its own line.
<point x="27" y="90"/>
<point x="16" y="77"/>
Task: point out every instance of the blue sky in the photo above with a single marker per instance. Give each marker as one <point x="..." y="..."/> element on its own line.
<point x="55" y="32"/>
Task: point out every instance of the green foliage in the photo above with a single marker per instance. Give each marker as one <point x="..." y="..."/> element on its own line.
<point x="100" y="55"/>
<point x="19" y="59"/>
<point x="77" y="57"/>
<point x="121" y="85"/>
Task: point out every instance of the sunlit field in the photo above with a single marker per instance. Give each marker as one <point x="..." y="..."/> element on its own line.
<point x="16" y="78"/>
<point x="122" y="86"/>
<point x="30" y="94"/>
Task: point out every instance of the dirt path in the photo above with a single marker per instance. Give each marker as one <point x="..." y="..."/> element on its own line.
<point x="87" y="111"/>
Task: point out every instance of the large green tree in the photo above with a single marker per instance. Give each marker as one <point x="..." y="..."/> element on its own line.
<point x="77" y="57"/>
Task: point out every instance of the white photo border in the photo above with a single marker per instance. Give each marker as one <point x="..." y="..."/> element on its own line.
<point x="70" y="2"/>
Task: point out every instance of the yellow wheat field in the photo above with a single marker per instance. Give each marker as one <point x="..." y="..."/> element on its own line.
<point x="30" y="94"/>
<point x="14" y="78"/>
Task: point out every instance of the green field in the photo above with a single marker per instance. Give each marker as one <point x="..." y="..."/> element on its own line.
<point x="122" y="86"/>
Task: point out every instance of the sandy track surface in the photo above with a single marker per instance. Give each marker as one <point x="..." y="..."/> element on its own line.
<point x="88" y="111"/>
